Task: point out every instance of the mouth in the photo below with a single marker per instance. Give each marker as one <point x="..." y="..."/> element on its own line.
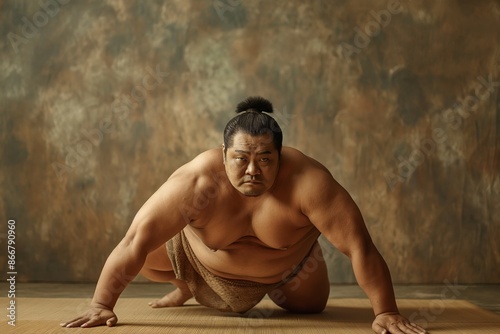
<point x="252" y="182"/>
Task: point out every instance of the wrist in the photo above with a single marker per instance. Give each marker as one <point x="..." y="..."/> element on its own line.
<point x="98" y="305"/>
<point x="391" y="312"/>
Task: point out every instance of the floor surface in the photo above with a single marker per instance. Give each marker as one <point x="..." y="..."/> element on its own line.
<point x="341" y="316"/>
<point x="485" y="296"/>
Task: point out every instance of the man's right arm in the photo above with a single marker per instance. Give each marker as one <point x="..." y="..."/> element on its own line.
<point x="157" y="221"/>
<point x="122" y="265"/>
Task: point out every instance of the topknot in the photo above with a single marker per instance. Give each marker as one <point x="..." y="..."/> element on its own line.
<point x="254" y="103"/>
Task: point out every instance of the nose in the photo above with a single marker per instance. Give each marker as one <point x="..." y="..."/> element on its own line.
<point x="253" y="168"/>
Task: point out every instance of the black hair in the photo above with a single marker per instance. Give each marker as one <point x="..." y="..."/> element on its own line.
<point x="254" y="120"/>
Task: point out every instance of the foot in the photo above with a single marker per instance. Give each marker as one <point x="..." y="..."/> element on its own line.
<point x="175" y="298"/>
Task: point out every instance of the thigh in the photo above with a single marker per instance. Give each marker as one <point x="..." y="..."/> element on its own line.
<point x="308" y="291"/>
<point x="158" y="260"/>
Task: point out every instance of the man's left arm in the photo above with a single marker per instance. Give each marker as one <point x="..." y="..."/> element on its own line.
<point x="332" y="210"/>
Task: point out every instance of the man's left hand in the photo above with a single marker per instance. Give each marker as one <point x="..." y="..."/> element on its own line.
<point x="395" y="323"/>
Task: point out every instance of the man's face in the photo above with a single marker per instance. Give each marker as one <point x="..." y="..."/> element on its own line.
<point x="252" y="163"/>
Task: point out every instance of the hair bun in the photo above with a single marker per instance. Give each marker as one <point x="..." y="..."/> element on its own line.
<point x="254" y="103"/>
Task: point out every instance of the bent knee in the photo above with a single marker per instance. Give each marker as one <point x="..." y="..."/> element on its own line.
<point x="157" y="275"/>
<point x="305" y="306"/>
<point x="158" y="260"/>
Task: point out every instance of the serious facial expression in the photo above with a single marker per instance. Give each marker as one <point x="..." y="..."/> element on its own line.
<point x="252" y="163"/>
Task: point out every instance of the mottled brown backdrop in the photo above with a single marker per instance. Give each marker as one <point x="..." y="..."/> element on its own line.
<point x="102" y="100"/>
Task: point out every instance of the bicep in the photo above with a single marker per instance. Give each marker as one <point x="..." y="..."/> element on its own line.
<point x="337" y="217"/>
<point x="159" y="219"/>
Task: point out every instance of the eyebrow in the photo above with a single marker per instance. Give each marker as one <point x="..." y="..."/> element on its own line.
<point x="248" y="152"/>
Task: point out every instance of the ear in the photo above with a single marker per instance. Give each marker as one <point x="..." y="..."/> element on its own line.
<point x="223" y="154"/>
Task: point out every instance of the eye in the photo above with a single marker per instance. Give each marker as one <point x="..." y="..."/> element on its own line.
<point x="240" y="160"/>
<point x="264" y="159"/>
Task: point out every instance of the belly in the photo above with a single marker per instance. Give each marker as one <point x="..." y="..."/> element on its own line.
<point x="250" y="259"/>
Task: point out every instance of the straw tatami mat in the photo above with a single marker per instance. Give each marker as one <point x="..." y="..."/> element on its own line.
<point x="346" y="316"/>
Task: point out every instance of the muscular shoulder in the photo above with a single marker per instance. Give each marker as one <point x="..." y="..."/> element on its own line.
<point x="312" y="180"/>
<point x="202" y="175"/>
<point x="203" y="164"/>
<point x="298" y="166"/>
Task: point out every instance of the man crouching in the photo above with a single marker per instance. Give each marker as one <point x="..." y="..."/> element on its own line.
<point x="240" y="222"/>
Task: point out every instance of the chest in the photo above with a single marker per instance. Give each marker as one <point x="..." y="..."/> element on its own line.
<point x="272" y="224"/>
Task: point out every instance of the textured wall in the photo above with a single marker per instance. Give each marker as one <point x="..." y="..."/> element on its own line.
<point x="102" y="100"/>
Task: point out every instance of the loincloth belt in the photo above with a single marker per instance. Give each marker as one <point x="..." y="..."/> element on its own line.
<point x="228" y="295"/>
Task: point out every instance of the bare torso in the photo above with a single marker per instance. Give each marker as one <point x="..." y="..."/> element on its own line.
<point x="251" y="238"/>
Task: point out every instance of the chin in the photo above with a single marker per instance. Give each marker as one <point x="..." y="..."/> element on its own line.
<point x="252" y="192"/>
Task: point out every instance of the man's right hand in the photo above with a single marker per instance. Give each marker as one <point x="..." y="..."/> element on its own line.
<point x="95" y="316"/>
